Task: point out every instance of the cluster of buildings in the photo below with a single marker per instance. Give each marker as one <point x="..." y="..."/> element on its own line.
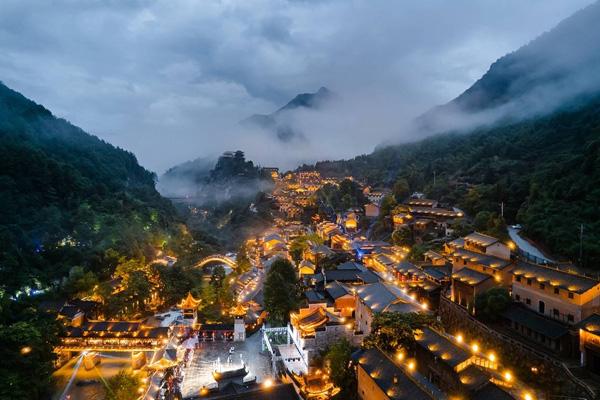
<point x="553" y="309"/>
<point x="295" y="191"/>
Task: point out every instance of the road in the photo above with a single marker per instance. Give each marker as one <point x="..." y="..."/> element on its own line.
<point x="526" y="245"/>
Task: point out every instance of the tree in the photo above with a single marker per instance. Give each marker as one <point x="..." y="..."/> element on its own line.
<point x="79" y="282"/>
<point x="401" y="189"/>
<point x="27" y="355"/>
<point x="242" y="260"/>
<point x="393" y="330"/>
<point x="300" y="244"/>
<point x="123" y="386"/>
<point x="337" y="361"/>
<point x="281" y="292"/>
<point x="490" y="304"/>
<point x="402" y="236"/>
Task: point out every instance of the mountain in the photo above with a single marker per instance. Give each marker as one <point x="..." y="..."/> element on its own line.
<point x="180" y="180"/>
<point x="279" y="122"/>
<point x="69" y="199"/>
<point x="540" y="157"/>
<point x="204" y="181"/>
<point x="558" y="67"/>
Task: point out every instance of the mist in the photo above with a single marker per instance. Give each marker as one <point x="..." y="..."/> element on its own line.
<point x="170" y="83"/>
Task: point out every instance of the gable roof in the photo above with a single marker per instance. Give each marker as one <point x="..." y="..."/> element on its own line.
<point x="470" y="276"/>
<point x="481" y="239"/>
<point x="389" y="377"/>
<point x="555" y="277"/>
<point x="378" y="297"/>
<point x="439" y="345"/>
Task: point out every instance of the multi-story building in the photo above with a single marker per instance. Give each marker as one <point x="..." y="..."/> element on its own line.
<point x="379" y="297"/>
<point x="556" y="294"/>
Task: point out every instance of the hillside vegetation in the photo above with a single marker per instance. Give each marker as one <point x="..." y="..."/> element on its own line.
<point x="545" y="170"/>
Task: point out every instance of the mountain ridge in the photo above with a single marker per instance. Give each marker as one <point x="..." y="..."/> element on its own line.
<point x="277" y="123"/>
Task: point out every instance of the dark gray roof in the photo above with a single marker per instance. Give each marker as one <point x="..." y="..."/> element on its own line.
<point x="481" y="239"/>
<point x="483" y="259"/>
<point x="491" y="392"/>
<point x="474" y="378"/>
<point x="438" y="273"/>
<point x="591" y="324"/>
<point x="379" y="296"/>
<point x="535" y="321"/>
<point x="336" y="290"/>
<point x="389" y="377"/>
<point x="314" y="297"/>
<point x="351" y="265"/>
<point x="346" y="275"/>
<point x="470" y="276"/>
<point x="442" y="347"/>
<point x="556" y="278"/>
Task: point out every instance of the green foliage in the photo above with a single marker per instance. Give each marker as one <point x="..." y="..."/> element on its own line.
<point x="300" y="244"/>
<point x="546" y="171"/>
<point x="123" y="386"/>
<point x="242" y="260"/>
<point x="491" y="224"/>
<point x="281" y="291"/>
<point x="340" y="198"/>
<point x="491" y="304"/>
<point x="79" y="283"/>
<point x="337" y="361"/>
<point x="332" y="261"/>
<point x="403" y="236"/>
<point x="391" y="331"/>
<point x="26" y="375"/>
<point x="401" y="189"/>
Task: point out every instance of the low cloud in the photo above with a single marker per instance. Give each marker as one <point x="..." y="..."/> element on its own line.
<point x="170" y="81"/>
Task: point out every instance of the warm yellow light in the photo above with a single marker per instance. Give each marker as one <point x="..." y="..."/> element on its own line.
<point x="268" y="383"/>
<point x="528" y="396"/>
<point x="424" y="306"/>
<point x="400" y="356"/>
<point x="508" y="376"/>
<point x="411" y="366"/>
<point x="459" y="338"/>
<point x="475" y="347"/>
<point x="25" y="350"/>
<point x="492" y="357"/>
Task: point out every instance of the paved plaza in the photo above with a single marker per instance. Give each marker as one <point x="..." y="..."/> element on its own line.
<point x="205" y="361"/>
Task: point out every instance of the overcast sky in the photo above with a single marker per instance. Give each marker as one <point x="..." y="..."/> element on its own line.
<point x="169" y="80"/>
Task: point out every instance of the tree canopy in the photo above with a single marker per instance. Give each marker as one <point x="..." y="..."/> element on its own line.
<point x="281" y="291"/>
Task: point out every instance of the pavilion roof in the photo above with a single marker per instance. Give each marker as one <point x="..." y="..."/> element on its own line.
<point x="189" y="302"/>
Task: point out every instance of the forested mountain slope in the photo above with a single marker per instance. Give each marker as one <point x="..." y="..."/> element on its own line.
<point x="545" y="170"/>
<point x="68" y="198"/>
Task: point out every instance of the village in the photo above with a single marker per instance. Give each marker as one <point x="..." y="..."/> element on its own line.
<point x="485" y="318"/>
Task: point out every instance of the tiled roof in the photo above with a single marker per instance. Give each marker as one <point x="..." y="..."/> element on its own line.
<point x="484" y="259"/>
<point x="470" y="276"/>
<point x="389" y="377"/>
<point x="591" y="324"/>
<point x="556" y="278"/>
<point x="442" y="347"/>
<point x="380" y="296"/>
<point x="535" y="322"/>
<point x="481" y="239"/>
